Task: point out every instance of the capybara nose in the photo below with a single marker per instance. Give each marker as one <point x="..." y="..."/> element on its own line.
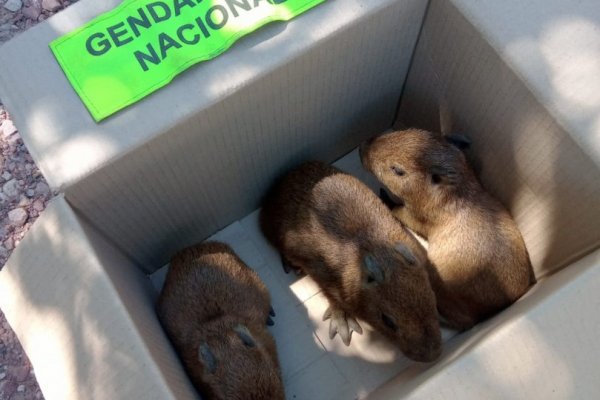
<point x="428" y="353"/>
<point x="430" y="347"/>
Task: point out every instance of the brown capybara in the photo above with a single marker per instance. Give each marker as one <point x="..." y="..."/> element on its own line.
<point x="214" y="309"/>
<point x="481" y="263"/>
<point x="335" y="229"/>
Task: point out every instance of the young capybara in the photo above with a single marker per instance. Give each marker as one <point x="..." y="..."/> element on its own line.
<point x="335" y="229"/>
<point x="214" y="309"/>
<point x="481" y="263"/>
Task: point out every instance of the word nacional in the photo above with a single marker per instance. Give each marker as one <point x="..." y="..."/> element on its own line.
<point x="138" y="47"/>
<point x="187" y="33"/>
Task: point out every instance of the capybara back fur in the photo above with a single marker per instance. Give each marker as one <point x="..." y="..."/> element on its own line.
<point x="214" y="308"/>
<point x="336" y="230"/>
<point x="481" y="263"/>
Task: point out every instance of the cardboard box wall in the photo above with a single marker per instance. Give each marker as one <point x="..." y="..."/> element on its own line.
<point x="178" y="166"/>
<point x="471" y="73"/>
<point x="233" y="124"/>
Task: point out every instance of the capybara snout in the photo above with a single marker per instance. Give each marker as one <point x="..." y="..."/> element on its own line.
<point x="398" y="301"/>
<point x="418" y="168"/>
<point x="426" y="344"/>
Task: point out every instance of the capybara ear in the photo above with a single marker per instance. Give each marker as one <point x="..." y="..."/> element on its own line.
<point x="389" y="322"/>
<point x="461" y="141"/>
<point x="443" y="174"/>
<point x="372" y="269"/>
<point x="245" y="336"/>
<point x="405" y="252"/>
<point x="207" y="358"/>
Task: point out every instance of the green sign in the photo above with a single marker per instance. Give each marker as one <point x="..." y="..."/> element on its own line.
<point x="140" y="46"/>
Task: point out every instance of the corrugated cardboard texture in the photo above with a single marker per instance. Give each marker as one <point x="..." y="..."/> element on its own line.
<point x="544" y="347"/>
<point x="554" y="46"/>
<point x="213" y="167"/>
<point x="67" y="145"/>
<point x="458" y="82"/>
<point x="84" y="315"/>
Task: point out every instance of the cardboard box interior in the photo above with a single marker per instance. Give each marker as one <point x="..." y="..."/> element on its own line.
<point x="144" y="183"/>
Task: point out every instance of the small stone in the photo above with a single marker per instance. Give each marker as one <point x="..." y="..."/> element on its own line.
<point x="18" y="396"/>
<point x="51" y="5"/>
<point x="29" y="192"/>
<point x="24" y="201"/>
<point x="5" y="36"/>
<point x="8" y="387"/>
<point x="20" y="373"/>
<point x="13" y="5"/>
<point x="6" y="175"/>
<point x="8" y="128"/>
<point x="3" y="375"/>
<point x="9" y="244"/>
<point x="17" y="217"/>
<point x="32" y="12"/>
<point x="21" y="388"/>
<point x="42" y="189"/>
<point x="38" y="205"/>
<point x="4" y="17"/>
<point x="10" y="188"/>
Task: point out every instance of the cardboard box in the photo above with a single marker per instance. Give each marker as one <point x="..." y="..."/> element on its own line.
<point x="197" y="156"/>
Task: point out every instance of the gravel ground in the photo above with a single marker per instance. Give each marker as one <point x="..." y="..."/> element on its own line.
<point x="19" y="15"/>
<point x="24" y="194"/>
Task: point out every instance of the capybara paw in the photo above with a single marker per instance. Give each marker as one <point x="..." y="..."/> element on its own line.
<point x="342" y="324"/>
<point x="288" y="266"/>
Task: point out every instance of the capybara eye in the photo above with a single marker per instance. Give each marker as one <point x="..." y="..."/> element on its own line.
<point x="398" y="171"/>
<point x="207" y="358"/>
<point x="435" y="178"/>
<point x="405" y="252"/>
<point x="244" y="336"/>
<point x="373" y="271"/>
<point x="389" y="322"/>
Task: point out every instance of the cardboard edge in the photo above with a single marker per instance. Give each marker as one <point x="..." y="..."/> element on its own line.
<point x="82" y="322"/>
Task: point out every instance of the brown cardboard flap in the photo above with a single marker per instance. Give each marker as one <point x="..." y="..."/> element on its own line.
<point x="84" y="315"/>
